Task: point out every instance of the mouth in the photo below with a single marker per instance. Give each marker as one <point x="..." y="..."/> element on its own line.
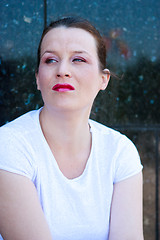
<point x="65" y="87"/>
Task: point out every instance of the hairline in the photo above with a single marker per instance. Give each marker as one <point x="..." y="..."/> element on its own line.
<point x="93" y="31"/>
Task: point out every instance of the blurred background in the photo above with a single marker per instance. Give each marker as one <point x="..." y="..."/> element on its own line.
<point x="131" y="31"/>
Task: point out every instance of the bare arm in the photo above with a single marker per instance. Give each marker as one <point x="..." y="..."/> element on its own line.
<point x="21" y="215"/>
<point x="126" y="211"/>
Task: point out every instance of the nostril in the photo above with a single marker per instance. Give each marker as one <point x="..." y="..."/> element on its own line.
<point x="61" y="75"/>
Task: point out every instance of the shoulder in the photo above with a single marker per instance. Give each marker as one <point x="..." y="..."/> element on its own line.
<point x="117" y="150"/>
<point x="23" y="120"/>
<point x="113" y="136"/>
<point x="20" y="135"/>
<point x="17" y="142"/>
<point x="21" y="126"/>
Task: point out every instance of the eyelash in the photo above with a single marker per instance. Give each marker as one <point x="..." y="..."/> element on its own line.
<point x="49" y="60"/>
<point x="79" y="60"/>
<point x="52" y="60"/>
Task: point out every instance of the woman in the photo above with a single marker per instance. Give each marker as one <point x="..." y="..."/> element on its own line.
<point x="64" y="176"/>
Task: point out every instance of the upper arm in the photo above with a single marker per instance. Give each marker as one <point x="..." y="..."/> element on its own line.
<point x="126" y="210"/>
<point x="21" y="215"/>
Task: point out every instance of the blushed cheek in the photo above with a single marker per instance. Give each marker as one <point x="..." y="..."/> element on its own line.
<point x="40" y="80"/>
<point x="43" y="74"/>
<point x="42" y="83"/>
<point x="45" y="82"/>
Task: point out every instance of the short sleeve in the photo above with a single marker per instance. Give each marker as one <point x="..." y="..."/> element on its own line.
<point x="127" y="162"/>
<point x="16" y="154"/>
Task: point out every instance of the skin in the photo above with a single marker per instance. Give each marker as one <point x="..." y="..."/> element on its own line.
<point x="21" y="216"/>
<point x="73" y="59"/>
<point x="127" y="210"/>
<point x="66" y="115"/>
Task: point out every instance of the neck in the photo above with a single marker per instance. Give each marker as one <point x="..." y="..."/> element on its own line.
<point x="69" y="138"/>
<point x="63" y="128"/>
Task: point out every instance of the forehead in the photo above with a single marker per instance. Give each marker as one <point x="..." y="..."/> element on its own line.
<point x="69" y="38"/>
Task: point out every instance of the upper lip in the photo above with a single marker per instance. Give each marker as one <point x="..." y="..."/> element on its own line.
<point x="63" y="85"/>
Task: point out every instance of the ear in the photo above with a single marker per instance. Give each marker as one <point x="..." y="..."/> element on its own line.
<point x="37" y="80"/>
<point x="105" y="78"/>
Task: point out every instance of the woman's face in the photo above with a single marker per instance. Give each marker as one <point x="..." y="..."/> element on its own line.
<point x="69" y="75"/>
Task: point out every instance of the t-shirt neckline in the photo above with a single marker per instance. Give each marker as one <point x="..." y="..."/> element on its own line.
<point x="84" y="173"/>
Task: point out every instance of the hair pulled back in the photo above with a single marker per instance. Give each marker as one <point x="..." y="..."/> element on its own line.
<point x="76" y="22"/>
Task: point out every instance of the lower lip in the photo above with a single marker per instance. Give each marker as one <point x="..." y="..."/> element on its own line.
<point x="62" y="90"/>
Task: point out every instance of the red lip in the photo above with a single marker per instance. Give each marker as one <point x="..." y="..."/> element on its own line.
<point x="63" y="87"/>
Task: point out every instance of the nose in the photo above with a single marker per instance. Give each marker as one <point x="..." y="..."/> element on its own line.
<point x="63" y="70"/>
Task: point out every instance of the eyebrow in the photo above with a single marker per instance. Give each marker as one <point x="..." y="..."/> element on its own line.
<point x="80" y="52"/>
<point x="50" y="51"/>
<point x="47" y="51"/>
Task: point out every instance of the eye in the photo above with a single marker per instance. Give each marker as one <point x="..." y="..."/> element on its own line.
<point x="79" y="59"/>
<point x="50" y="60"/>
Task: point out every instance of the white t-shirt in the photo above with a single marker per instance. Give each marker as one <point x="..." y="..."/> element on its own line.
<point x="79" y="208"/>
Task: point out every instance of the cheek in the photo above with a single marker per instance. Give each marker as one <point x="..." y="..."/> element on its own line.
<point x="42" y="71"/>
<point x="43" y="77"/>
<point x="91" y="84"/>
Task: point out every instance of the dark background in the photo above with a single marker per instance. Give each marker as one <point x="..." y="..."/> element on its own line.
<point x="134" y="51"/>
